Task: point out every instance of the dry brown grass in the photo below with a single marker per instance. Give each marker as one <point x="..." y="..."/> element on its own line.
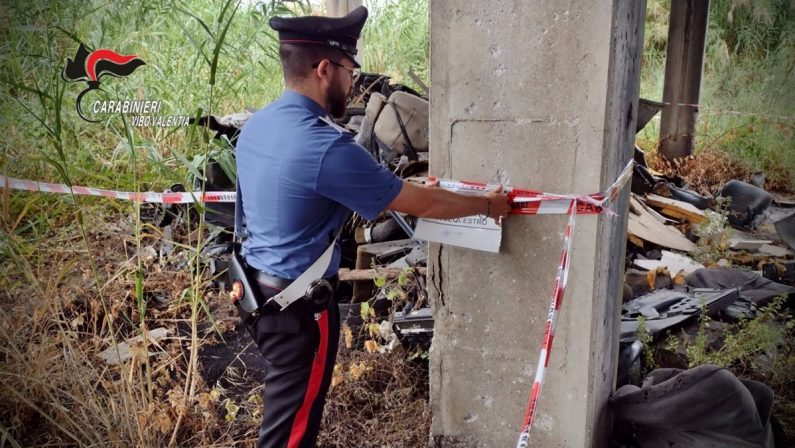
<point x="707" y="171"/>
<point x="378" y="400"/>
<point x="55" y="390"/>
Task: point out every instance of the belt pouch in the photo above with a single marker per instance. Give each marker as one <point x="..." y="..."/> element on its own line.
<point x="246" y="298"/>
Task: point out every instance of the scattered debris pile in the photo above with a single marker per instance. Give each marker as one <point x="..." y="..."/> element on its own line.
<point x="708" y="277"/>
<point x="742" y="230"/>
<point x="693" y="255"/>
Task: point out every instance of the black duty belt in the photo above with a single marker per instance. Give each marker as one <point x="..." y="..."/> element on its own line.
<point x="271" y="281"/>
<point x="318" y="295"/>
<point x="318" y="292"/>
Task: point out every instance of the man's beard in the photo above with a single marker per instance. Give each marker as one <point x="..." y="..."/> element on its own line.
<point x="338" y="102"/>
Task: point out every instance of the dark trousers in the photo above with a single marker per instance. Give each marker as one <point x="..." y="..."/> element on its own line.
<point x="300" y="349"/>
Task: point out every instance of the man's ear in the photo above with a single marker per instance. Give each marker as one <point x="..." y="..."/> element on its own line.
<point x="323" y="69"/>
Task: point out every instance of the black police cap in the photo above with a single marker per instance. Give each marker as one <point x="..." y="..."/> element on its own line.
<point x="336" y="32"/>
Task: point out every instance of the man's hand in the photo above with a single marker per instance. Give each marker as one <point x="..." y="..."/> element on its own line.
<point x="498" y="205"/>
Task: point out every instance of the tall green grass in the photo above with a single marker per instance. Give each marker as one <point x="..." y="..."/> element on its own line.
<point x="748" y="85"/>
<point x="396" y="40"/>
<point x="177" y="40"/>
<point x="201" y="57"/>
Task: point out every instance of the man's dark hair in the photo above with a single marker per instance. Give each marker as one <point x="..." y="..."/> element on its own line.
<point x="297" y="60"/>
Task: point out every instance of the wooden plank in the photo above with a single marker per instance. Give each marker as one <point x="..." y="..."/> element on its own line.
<point x="355" y="275"/>
<point x="635" y="240"/>
<point x="783" y="201"/>
<point x="652" y="212"/>
<point x="747" y="244"/>
<point x="643" y="225"/>
<point x="774" y="251"/>
<point x="675" y="263"/>
<point x="676" y="209"/>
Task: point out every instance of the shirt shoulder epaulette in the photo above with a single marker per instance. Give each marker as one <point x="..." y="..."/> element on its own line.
<point x="337" y="127"/>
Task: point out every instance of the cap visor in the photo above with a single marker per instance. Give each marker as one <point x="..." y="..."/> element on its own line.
<point x="353" y="59"/>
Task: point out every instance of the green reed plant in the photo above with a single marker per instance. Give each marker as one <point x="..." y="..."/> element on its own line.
<point x="396" y="40"/>
<point x="747" y="83"/>
<point x="37" y="107"/>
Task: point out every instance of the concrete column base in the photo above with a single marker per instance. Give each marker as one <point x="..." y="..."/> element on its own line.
<point x="546" y="91"/>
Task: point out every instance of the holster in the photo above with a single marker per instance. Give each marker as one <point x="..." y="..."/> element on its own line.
<point x="249" y="300"/>
<point x="246" y="298"/>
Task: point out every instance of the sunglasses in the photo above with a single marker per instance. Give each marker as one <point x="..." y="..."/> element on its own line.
<point x="354" y="72"/>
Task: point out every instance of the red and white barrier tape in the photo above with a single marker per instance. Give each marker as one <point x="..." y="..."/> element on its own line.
<point x="534" y="202"/>
<point x="549" y="333"/>
<point x="146" y="196"/>
<point x="526" y="202"/>
<point x="600" y="201"/>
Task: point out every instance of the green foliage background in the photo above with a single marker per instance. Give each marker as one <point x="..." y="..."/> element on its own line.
<point x="217" y="57"/>
<point x="750" y="68"/>
<point x="748" y="86"/>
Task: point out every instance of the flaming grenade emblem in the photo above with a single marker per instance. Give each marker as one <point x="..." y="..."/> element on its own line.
<point x="91" y="66"/>
<point x="237" y="291"/>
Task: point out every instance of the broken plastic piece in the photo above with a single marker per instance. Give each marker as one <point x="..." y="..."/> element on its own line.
<point x="752" y="286"/>
<point x="415" y="327"/>
<point x="747" y="203"/>
<point x="786" y="229"/>
<point x="665" y="309"/>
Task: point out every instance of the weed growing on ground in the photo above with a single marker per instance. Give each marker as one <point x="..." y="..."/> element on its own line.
<point x="762" y="348"/>
<point x="377" y="399"/>
<point x="375" y="327"/>
<point x="713" y="235"/>
<point x="645" y="337"/>
<point x="743" y="342"/>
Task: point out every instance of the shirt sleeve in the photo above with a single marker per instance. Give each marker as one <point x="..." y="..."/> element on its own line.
<point x="349" y="175"/>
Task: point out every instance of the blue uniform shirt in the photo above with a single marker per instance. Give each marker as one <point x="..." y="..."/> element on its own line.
<point x="299" y="178"/>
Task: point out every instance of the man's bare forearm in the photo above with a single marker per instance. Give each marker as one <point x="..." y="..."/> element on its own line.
<point x="435" y="202"/>
<point x="445" y="204"/>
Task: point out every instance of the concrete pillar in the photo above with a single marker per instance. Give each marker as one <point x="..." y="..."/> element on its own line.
<point x="547" y="91"/>
<point x="339" y="8"/>
<point x="684" y="63"/>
